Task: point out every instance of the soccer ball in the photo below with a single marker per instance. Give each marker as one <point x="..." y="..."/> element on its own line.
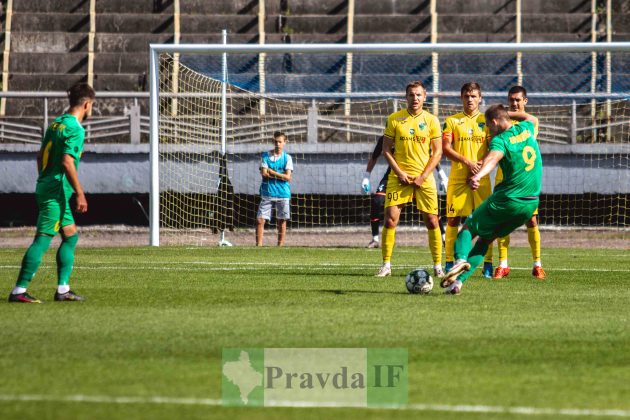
<point x="419" y="281"/>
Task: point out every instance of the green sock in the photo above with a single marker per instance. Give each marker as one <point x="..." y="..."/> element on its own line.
<point x="475" y="258"/>
<point x="32" y="259"/>
<point x="463" y="244"/>
<point x="65" y="259"/>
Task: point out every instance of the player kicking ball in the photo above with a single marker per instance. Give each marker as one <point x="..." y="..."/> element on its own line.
<point x="57" y="163"/>
<point x="517" y="99"/>
<point x="515" y="149"/>
<point x="465" y="141"/>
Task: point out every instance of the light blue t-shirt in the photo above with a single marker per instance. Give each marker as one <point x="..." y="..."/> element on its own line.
<point x="273" y="187"/>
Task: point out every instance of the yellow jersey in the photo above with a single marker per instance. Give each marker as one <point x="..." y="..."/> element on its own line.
<point x="470" y="139"/>
<point x="412" y="135"/>
<point x="499" y="176"/>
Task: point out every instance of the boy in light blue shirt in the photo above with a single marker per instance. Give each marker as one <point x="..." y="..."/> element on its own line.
<point x="276" y="168"/>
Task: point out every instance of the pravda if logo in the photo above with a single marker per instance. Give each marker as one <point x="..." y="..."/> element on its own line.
<point x="314" y="377"/>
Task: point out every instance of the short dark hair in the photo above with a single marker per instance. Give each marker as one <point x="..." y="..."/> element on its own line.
<point x="517" y="89"/>
<point x="496" y="112"/>
<point x="470" y="86"/>
<point x="415" y="83"/>
<point x="277" y="134"/>
<point x="80" y="93"/>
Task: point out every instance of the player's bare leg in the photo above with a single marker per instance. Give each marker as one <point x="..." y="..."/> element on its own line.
<point x="533" y="237"/>
<point x="282" y="231"/>
<point x="260" y="231"/>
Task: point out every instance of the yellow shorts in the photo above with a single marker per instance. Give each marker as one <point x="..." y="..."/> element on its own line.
<point x="461" y="200"/>
<point x="535" y="212"/>
<point x="425" y="196"/>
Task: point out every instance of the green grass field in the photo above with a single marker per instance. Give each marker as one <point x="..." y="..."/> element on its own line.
<point x="156" y="320"/>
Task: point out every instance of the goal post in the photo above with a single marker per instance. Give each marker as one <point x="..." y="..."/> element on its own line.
<point x="200" y="188"/>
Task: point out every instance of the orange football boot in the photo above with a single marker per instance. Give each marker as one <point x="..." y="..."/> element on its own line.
<point x="539" y="273"/>
<point x="501" y="272"/>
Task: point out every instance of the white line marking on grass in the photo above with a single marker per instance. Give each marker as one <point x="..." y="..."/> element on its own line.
<point x="240" y="266"/>
<point x="108" y="399"/>
<point x="532" y="411"/>
<point x="607" y="270"/>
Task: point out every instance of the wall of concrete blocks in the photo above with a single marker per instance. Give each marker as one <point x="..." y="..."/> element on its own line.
<point x="120" y="173"/>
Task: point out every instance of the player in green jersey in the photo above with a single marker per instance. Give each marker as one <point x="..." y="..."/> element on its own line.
<point x="57" y="164"/>
<point x="515" y="149"/>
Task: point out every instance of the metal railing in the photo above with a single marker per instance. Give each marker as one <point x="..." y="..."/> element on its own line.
<point x="130" y="126"/>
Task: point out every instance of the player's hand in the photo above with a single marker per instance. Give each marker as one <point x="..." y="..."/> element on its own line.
<point x="365" y="185"/>
<point x="404" y="178"/>
<point x="82" y="205"/>
<point x="474" y="167"/>
<point x="474" y="182"/>
<point x="419" y="180"/>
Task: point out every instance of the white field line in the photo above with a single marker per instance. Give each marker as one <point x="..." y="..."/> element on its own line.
<point x="240" y="266"/>
<point x="107" y="399"/>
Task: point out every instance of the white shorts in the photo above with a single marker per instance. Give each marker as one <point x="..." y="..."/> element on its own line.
<point x="282" y="206"/>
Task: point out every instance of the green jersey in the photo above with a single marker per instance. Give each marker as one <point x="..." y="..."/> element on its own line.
<point x="521" y="163"/>
<point x="63" y="137"/>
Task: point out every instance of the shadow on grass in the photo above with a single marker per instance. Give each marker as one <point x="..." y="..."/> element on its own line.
<point x="378" y="292"/>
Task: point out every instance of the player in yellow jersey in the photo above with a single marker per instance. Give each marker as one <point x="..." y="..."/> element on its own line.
<point x="412" y="147"/>
<point x="465" y="143"/>
<point x="517" y="99"/>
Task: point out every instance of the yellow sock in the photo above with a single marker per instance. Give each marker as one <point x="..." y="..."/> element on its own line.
<point x="435" y="245"/>
<point x="533" y="236"/>
<point x="388" y="239"/>
<point x="488" y="257"/>
<point x="449" y="243"/>
<point x="503" y="244"/>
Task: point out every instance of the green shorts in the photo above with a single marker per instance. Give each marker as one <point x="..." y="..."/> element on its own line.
<point x="54" y="213"/>
<point x="498" y="217"/>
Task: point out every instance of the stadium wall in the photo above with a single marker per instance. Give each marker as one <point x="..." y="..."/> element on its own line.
<point x="124" y="169"/>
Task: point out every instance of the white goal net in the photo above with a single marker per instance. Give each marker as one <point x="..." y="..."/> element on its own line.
<point x="212" y="121"/>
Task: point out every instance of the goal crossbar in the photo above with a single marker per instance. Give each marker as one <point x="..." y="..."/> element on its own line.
<point x="390" y="48"/>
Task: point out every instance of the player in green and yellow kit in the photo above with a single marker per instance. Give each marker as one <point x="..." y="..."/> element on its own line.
<point x="57" y="164"/>
<point x="412" y="147"/>
<point x="465" y="143"/>
<point x="517" y="99"/>
<point x="515" y="149"/>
